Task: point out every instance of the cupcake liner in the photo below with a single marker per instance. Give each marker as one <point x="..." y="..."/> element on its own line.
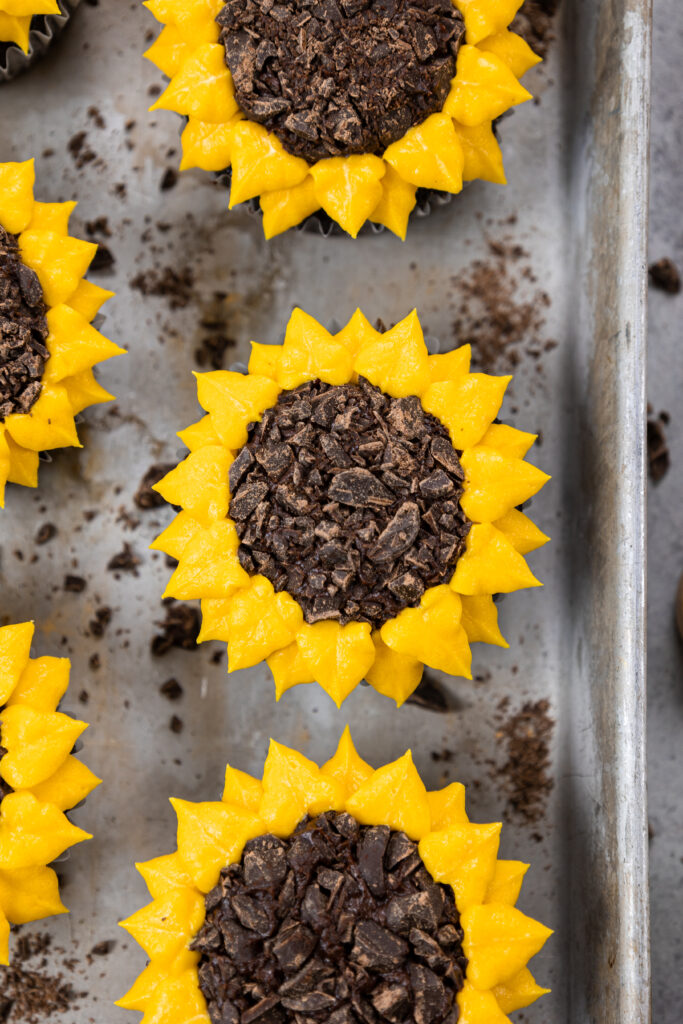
<point x="44" y="29"/>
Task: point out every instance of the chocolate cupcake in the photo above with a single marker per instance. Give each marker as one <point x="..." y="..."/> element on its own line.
<point x="349" y="508"/>
<point x="348" y="107"/>
<point x="27" y="28"/>
<point x="335" y="894"/>
<point x="40" y="779"/>
<point x="48" y="345"/>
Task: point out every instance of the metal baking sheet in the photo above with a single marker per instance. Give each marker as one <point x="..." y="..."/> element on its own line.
<point x="577" y="163"/>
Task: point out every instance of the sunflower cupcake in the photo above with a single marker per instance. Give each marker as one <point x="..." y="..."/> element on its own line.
<point x="48" y="346"/>
<point x="336" y="894"/>
<point x="27" y="27"/>
<point x="349" y="508"/>
<point x="40" y="779"/>
<point x="344" y="106"/>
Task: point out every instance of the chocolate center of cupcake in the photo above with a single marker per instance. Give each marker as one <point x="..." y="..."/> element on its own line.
<point x="23" y="330"/>
<point x="335" y="77"/>
<point x="339" y="923"/>
<point x="349" y="500"/>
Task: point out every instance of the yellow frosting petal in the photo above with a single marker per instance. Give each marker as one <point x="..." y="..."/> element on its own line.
<point x="495" y="483"/>
<point x="396" y="361"/>
<point x="42" y="684"/>
<point x="524" y="535"/>
<point x="177" y="535"/>
<point x="480" y="620"/>
<point x="16" y="195"/>
<point x="202" y="87"/>
<point x="60" y="262"/>
<point x="283" y="208"/>
<point x="74" y="345"/>
<point x="508" y="440"/>
<point x="15" y="649"/>
<point x="450" y="365"/>
<point x="506" y="883"/>
<point x="199" y="484"/>
<point x="289" y="668"/>
<point x="163" y="874"/>
<point x="49" y="424"/>
<point x="481" y="153"/>
<point x="37" y="744"/>
<point x="447" y="806"/>
<point x="260" y="622"/>
<point x="208" y="565"/>
<point x="518" y="992"/>
<point x="29" y="894"/>
<point x="466" y="406"/>
<point x="32" y="833"/>
<point x="499" y="940"/>
<point x="235" y="400"/>
<point x="346" y="766"/>
<point x="393" y="674"/>
<point x="310" y="352"/>
<point x="166" y="925"/>
<point x="483" y="17"/>
<point x="207" y="145"/>
<point x="393" y="795"/>
<point x="490" y="564"/>
<point x="260" y="163"/>
<point x="463" y="856"/>
<point x="479" y="1007"/>
<point x="293" y="787"/>
<point x="429" y="155"/>
<point x="349" y="188"/>
<point x="210" y="836"/>
<point x="432" y="633"/>
<point x="512" y="50"/>
<point x="242" y="790"/>
<point x="70" y="784"/>
<point x="397" y="203"/>
<point x="338" y="656"/>
<point x="483" y="88"/>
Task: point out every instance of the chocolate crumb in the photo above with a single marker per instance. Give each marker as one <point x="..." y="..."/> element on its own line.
<point x="83" y="697"/>
<point x="176" y="724"/>
<point x="664" y="274"/>
<point x="125" y="561"/>
<point x="658" y="454"/>
<point x="102" y="619"/>
<point x="103" y="948"/>
<point x="179" y="629"/>
<point x="75" y="584"/>
<point x="46" y="532"/>
<point x="94" y="662"/>
<point x="145" y="497"/>
<point x="171" y="689"/>
<point x="29" y="995"/>
<point x="169" y="180"/>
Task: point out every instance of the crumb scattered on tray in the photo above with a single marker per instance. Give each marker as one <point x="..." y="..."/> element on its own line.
<point x="179" y="629"/>
<point x="527" y="734"/>
<point x="665" y="275"/>
<point x="145" y="497"/>
<point x="658" y="454"/>
<point x="46" y="532"/>
<point x="169" y="283"/>
<point x="27" y="994"/>
<point x="75" y="584"/>
<point x="169" y="179"/>
<point x="102" y="619"/>
<point x="501" y="312"/>
<point x="176" y="724"/>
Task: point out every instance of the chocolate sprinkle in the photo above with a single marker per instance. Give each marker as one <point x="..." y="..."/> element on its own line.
<point x="334" y="77"/>
<point x="349" y="500"/>
<point x="339" y="923"/>
<point x="23" y="330"/>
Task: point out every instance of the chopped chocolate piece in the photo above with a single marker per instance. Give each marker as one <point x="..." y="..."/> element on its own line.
<point x="176" y="724"/>
<point x="125" y="561"/>
<point x="664" y="274"/>
<point x="356" y="511"/>
<point x="103" y="260"/>
<point x="145" y="497"/>
<point x="101" y="621"/>
<point x="274" y="951"/>
<point x="332" y="78"/>
<point x="536" y="24"/>
<point x="169" y="180"/>
<point x="180" y="629"/>
<point x="23" y="331"/>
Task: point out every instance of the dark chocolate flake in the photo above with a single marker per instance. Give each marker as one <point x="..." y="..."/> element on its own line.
<point x="23" y="331"/>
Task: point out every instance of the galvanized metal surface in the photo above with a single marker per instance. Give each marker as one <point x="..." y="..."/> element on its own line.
<point x="576" y="164"/>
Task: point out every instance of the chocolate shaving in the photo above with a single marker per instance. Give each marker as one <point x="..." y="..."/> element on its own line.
<point x="349" y="500"/>
<point x="339" y="923"/>
<point x="664" y="274"/>
<point x="23" y="330"/>
<point x="334" y="77"/>
<point x="526" y="773"/>
<point x="179" y="629"/>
